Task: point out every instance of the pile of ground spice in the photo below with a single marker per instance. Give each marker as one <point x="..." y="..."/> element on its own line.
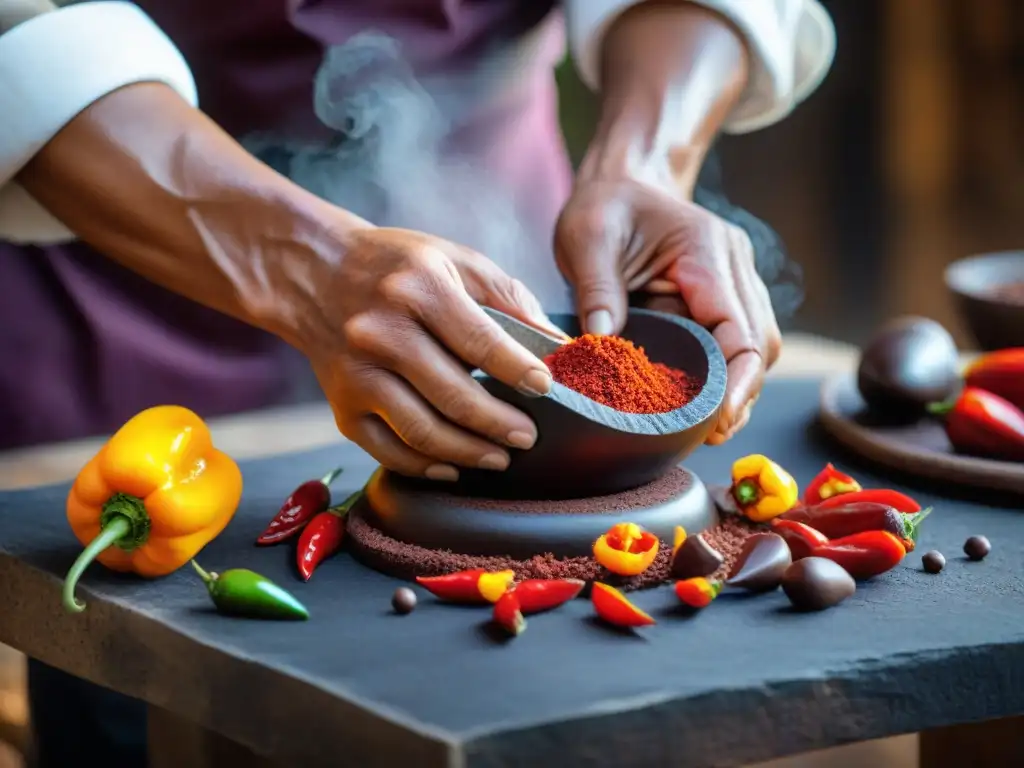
<point x="1011" y="292"/>
<point x="407" y="561"/>
<point x="615" y="372"/>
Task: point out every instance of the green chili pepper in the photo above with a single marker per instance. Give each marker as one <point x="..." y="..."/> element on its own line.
<point x="244" y="593"/>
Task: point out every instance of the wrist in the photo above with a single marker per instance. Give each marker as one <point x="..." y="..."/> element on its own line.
<point x="630" y="143"/>
<point x="670" y="74"/>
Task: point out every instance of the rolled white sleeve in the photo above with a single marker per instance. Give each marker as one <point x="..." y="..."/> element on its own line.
<point x="792" y="44"/>
<point x="51" y="68"/>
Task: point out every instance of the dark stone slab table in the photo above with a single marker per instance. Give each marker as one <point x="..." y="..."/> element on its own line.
<point x="746" y="680"/>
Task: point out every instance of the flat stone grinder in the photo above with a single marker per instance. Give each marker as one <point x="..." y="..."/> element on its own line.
<point x="592" y="466"/>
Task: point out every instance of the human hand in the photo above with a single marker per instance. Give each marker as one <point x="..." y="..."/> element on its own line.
<point x="621" y="235"/>
<point x="395" y="327"/>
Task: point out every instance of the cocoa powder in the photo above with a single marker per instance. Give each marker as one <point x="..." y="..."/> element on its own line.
<point x="407" y="561"/>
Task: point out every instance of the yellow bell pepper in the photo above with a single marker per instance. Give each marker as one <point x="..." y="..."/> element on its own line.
<point x="154" y="495"/>
<point x="762" y="489"/>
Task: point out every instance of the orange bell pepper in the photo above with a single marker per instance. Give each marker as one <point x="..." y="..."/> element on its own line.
<point x="154" y="495"/>
<point x="626" y="550"/>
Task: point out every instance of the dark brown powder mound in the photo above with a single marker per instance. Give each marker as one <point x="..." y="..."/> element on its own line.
<point x="407" y="561"/>
<point x="664" y="489"/>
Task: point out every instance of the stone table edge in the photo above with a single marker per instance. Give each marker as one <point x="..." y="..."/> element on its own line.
<point x="694" y="720"/>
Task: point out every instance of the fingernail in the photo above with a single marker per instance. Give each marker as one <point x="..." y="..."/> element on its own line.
<point x="445" y="472"/>
<point x="495" y="461"/>
<point x="535" y="383"/>
<point x="599" y="322"/>
<point x="521" y="440"/>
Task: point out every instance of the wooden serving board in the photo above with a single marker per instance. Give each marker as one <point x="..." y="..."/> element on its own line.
<point x="920" y="449"/>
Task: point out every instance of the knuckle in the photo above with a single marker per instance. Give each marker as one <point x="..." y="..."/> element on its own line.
<point x="401" y="289"/>
<point x="481" y="342"/>
<point x="418" y="433"/>
<point x="459" y="408"/>
<point x="362" y="332"/>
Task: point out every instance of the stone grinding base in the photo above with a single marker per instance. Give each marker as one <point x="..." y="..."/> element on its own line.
<point x="407" y="561"/>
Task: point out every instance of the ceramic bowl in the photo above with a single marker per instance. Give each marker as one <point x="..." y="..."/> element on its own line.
<point x="587" y="449"/>
<point x="995" y="322"/>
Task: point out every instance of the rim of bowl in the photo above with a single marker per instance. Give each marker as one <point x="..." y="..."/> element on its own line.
<point x="699" y="410"/>
<point x="954" y="273"/>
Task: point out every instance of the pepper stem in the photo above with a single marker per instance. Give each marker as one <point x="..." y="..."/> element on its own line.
<point x="115" y="529"/>
<point x="208" y="578"/>
<point x="746" y="492"/>
<point x="941" y="409"/>
<point x="331" y="476"/>
<point x="343" y="509"/>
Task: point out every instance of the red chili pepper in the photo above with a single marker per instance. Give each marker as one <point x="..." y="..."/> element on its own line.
<point x="613" y="607"/>
<point x="980" y="423"/>
<point x="864" y="555"/>
<point x="828" y="483"/>
<point x="898" y="501"/>
<point x="801" y="538"/>
<point x="537" y="595"/>
<point x="322" y="536"/>
<point x="860" y="516"/>
<point x="697" y="592"/>
<point x="298" y="509"/>
<point x="508" y="614"/>
<point x="1001" y="373"/>
<point x="473" y="586"/>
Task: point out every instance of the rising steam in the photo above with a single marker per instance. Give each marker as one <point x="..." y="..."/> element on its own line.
<point x="390" y="165"/>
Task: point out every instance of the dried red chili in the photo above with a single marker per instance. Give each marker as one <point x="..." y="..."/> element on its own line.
<point x="298" y="509"/>
<point x="614" y="372"/>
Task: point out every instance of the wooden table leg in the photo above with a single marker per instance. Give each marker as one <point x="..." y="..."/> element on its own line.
<point x="989" y="744"/>
<point x="174" y="742"/>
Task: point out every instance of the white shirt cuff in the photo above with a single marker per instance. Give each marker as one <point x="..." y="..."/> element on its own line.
<point x="792" y="44"/>
<point x="55" y="65"/>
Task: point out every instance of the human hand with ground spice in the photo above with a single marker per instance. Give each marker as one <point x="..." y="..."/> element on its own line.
<point x="672" y="74"/>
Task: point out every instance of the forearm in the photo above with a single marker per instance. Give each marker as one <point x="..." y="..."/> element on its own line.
<point x="670" y="74"/>
<point x="155" y="185"/>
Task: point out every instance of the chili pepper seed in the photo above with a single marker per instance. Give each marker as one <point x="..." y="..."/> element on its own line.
<point x="933" y="561"/>
<point x="403" y="601"/>
<point x="977" y="547"/>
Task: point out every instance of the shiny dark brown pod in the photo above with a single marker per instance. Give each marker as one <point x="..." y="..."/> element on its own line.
<point x="910" y="362"/>
<point x="761" y="563"/>
<point x="695" y="558"/>
<point x="417" y="512"/>
<point x="814" y="584"/>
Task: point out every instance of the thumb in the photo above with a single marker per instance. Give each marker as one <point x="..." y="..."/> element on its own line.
<point x="592" y="267"/>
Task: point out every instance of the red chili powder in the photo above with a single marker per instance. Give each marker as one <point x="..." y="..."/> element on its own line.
<point x="616" y="373"/>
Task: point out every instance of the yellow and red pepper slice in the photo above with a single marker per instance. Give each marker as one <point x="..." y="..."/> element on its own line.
<point x="762" y="489"/>
<point x="626" y="550"/>
<point x="828" y="483"/>
<point x="612" y="606"/>
<point x="697" y="592"/>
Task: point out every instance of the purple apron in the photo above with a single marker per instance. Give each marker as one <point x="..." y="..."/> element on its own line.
<point x="438" y="115"/>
